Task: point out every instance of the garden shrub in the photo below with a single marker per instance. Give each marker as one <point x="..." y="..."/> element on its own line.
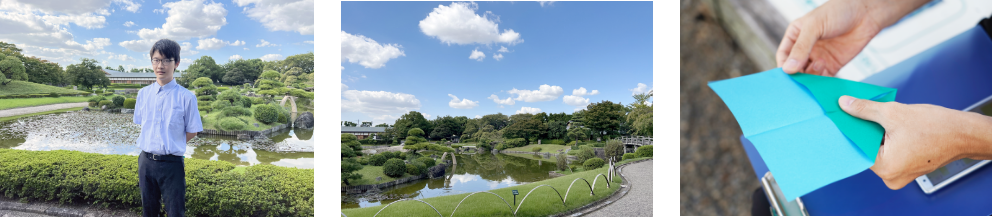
<point x="394" y="168"/>
<point x="554" y="141"/>
<point x="585" y="153"/>
<point x="96" y="99"/>
<point x="246" y="102"/>
<point x="205" y="98"/>
<point x="629" y="156"/>
<point x="536" y="149"/>
<point x="593" y="163"/>
<point x="614" y="149"/>
<point x="256" y="100"/>
<point x="108" y="103"/>
<point x="402" y="155"/>
<point x="53" y="95"/>
<point x="118" y="101"/>
<point x="599" y="144"/>
<point x="204" y="108"/>
<point x="517" y="142"/>
<point x="561" y="161"/>
<point x="108" y="94"/>
<point x="266" y="114"/>
<point x="362" y="161"/>
<point x="129" y="103"/>
<point x="572" y="143"/>
<point x="98" y="91"/>
<point x="645" y="151"/>
<point x="421" y="167"/>
<point x="378" y="160"/>
<point x="412" y="170"/>
<point x="111" y="181"/>
<point x="346" y="152"/>
<point x="231" y="123"/>
<point x="235" y="111"/>
<point x="430" y="162"/>
<point x="220" y="104"/>
<point x="501" y="146"/>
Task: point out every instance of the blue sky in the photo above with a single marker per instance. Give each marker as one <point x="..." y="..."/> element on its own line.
<point x="402" y="56"/>
<point x="120" y="32"/>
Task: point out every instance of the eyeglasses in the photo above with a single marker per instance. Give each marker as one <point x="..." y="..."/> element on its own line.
<point x="159" y="61"/>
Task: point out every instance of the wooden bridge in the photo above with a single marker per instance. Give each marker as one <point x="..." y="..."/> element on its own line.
<point x="632" y="143"/>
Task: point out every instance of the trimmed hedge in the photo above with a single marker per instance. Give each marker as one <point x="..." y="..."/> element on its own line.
<point x="118" y="101"/>
<point x="593" y="163"/>
<point x="108" y="103"/>
<point x="629" y="156"/>
<point x="378" y="160"/>
<point x="129" y="103"/>
<point x="517" y="142"/>
<point x="111" y="181"/>
<point x="266" y="114"/>
<point x="394" y="168"/>
<point x="231" y="123"/>
<point x="645" y="151"/>
<point x="430" y="162"/>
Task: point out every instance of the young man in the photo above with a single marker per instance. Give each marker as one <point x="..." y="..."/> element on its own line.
<point x="169" y="118"/>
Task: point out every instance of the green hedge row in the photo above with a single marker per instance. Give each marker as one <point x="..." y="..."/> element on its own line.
<point x="212" y="189"/>
<point x="38" y="95"/>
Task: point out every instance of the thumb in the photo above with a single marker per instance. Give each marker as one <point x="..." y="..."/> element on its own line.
<point x="864" y="109"/>
<point x="799" y="56"/>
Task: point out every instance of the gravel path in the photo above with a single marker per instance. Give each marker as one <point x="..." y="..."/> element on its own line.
<point x="8" y="213"/>
<point x="716" y="177"/>
<point x="638" y="201"/>
<point x="36" y="109"/>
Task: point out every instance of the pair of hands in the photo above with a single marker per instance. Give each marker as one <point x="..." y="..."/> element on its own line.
<point x="918" y="138"/>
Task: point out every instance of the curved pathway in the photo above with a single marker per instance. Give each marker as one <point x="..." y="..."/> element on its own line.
<point x="638" y="200"/>
<point x="41" y="108"/>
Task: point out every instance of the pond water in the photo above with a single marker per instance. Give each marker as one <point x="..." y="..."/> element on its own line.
<point x="105" y="133"/>
<point x="474" y="172"/>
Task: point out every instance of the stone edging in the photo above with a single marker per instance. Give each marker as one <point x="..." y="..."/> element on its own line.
<point x="596" y="205"/>
<point x="50" y="210"/>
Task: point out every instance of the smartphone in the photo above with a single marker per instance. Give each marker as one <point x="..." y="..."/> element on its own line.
<point x="933" y="181"/>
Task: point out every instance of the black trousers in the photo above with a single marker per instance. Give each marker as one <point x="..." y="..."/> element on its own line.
<point x="162" y="178"/>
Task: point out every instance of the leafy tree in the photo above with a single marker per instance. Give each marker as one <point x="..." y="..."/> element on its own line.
<point x="120" y="68"/>
<point x="202" y="67"/>
<point x="351" y="141"/>
<point x="7" y="47"/>
<point x="42" y="72"/>
<point x="471" y="126"/>
<point x="543" y="117"/>
<point x="12" y="69"/>
<point x="447" y="126"/>
<point x="527" y="129"/>
<point x="270" y="75"/>
<point x="248" y="70"/>
<point x="577" y="133"/>
<point x="498" y="121"/>
<point x="348" y="124"/>
<point x="382" y="125"/>
<point x="410" y="120"/>
<point x="559" y="117"/>
<point x="641" y="116"/>
<point x="557" y="129"/>
<point x="605" y="118"/>
<point x="614" y="149"/>
<point x="349" y="169"/>
<point x="87" y="74"/>
<point x="202" y="81"/>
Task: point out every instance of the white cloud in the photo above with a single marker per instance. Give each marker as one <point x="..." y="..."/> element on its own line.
<point x="501" y="102"/>
<point x="235" y="57"/>
<point x="503" y="49"/>
<point x="246" y="48"/>
<point x="582" y="92"/>
<point x="344" y="87"/>
<point x="385" y="119"/>
<point x="308" y="42"/>
<point x="641" y="88"/>
<point x="74" y="6"/>
<point x="363" y="76"/>
<point x="544" y="93"/>
<point x="478" y="116"/>
<point x="265" y="44"/>
<point x="129" y="24"/>
<point x="187" y="19"/>
<point x="529" y="110"/>
<point x="367" y="52"/>
<point x="498" y="57"/>
<point x="122" y="57"/>
<point x="476" y="55"/>
<point x="426" y="116"/>
<point x="575" y="100"/>
<point x="185" y="48"/>
<point x="270" y="57"/>
<point x="458" y="23"/>
<point x="237" y="43"/>
<point x="543" y="3"/>
<point x="461" y="104"/>
<point x="210" y="44"/>
<point x="378" y="102"/>
<point x="281" y="15"/>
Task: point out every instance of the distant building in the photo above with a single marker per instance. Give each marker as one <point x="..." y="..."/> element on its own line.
<point x="117" y="77"/>
<point x="363" y="132"/>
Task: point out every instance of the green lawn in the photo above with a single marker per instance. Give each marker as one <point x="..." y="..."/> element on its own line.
<point x="40" y="113"/>
<point x="544" y="148"/>
<point x="28" y="102"/>
<point x="24" y="87"/>
<point x="369" y="173"/>
<point x="551" y="159"/>
<point x="542" y="202"/>
<point x="208" y="120"/>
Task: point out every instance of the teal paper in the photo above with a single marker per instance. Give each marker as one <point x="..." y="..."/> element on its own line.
<point x="796" y="136"/>
<point x="866" y="135"/>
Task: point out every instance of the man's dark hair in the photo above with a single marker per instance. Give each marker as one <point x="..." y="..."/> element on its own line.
<point x="168" y="48"/>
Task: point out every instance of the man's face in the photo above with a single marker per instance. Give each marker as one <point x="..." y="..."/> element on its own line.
<point x="164" y="67"/>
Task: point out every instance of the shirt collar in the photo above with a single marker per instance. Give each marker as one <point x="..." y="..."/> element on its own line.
<point x="167" y="86"/>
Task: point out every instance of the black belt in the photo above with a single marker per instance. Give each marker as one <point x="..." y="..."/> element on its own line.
<point x="157" y="157"/>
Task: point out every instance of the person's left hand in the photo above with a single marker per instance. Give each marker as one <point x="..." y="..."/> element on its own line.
<point x="919" y="138"/>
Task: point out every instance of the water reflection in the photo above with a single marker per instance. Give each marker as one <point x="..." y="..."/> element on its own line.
<point x="474" y="172"/>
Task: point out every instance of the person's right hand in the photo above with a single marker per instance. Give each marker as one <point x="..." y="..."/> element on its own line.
<point x="827" y="38"/>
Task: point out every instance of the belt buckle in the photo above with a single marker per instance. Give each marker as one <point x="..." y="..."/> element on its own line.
<point x="154" y="157"/>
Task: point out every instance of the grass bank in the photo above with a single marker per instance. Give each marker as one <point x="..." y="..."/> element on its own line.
<point x="542" y="202"/>
<point x="24" y="87"/>
<point x="208" y="120"/>
<point x="28" y="102"/>
<point x="369" y="173"/>
<point x="544" y="148"/>
<point x="212" y="189"/>
<point x="40" y="113"/>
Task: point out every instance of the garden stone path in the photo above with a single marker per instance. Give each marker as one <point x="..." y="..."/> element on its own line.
<point x="8" y="213"/>
<point x="42" y="108"/>
<point x="638" y="200"/>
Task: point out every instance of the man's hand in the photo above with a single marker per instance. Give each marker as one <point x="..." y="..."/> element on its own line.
<point x="920" y="138"/>
<point x="827" y="38"/>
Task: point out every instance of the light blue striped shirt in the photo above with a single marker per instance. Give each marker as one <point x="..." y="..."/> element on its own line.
<point x="166" y="114"/>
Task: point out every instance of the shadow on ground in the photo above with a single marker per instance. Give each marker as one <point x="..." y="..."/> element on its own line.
<point x="716" y="177"/>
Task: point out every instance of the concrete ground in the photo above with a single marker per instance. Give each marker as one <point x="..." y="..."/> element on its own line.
<point x="716" y="177"/>
<point x="43" y="108"/>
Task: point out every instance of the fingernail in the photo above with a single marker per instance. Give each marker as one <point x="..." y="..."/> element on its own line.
<point x="847" y="100"/>
<point x="791" y="65"/>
